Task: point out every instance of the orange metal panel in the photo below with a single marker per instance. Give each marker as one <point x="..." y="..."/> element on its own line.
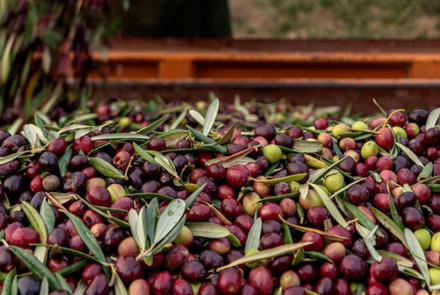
<point x="427" y="70"/>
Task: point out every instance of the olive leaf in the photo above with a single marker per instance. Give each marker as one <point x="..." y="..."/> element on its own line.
<point x="266" y="254"/>
<point x="331" y="207"/>
<point x="401" y="261"/>
<point x="271" y="169"/>
<point x="190" y="200"/>
<point x="393" y="210"/>
<point x="359" y="215"/>
<point x="346" y="187"/>
<point x="326" y="235"/>
<point x="208" y="230"/>
<point x="71" y="269"/>
<point x="119" y="285"/>
<point x="36" y="267"/>
<point x="153" y="126"/>
<point x="235" y="242"/>
<point x="48" y="216"/>
<point x="81" y="132"/>
<point x="290" y="178"/>
<point x="105" y="168"/>
<point x="89" y="239"/>
<point x="72" y="128"/>
<point x="232" y="159"/>
<point x="317" y="255"/>
<point x="152" y="214"/>
<point x="170" y="237"/>
<point x="172" y="137"/>
<point x="149" y="196"/>
<point x="146" y="156"/>
<point x="13" y="128"/>
<point x="410" y="154"/>
<point x="178" y="120"/>
<point x="426" y="171"/>
<point x="369" y="240"/>
<point x="166" y="163"/>
<point x="31" y="136"/>
<point x="197" y="116"/>
<point x="228" y="135"/>
<point x="287" y="235"/>
<point x="211" y="115"/>
<point x="207" y="140"/>
<point x="7" y="284"/>
<point x="376" y="176"/>
<point x="279" y="198"/>
<point x="417" y="252"/>
<point x="168" y="219"/>
<point x="142" y="229"/>
<point x="70" y="252"/>
<point x="304" y="190"/>
<point x="327" y="170"/>
<point x="389" y="224"/>
<point x="307" y="146"/>
<point x="40" y="123"/>
<point x="63" y="283"/>
<point x="432" y="118"/>
<point x="64" y="160"/>
<point x="120" y="136"/>
<point x="253" y="239"/>
<point x="80" y="288"/>
<point x="380" y="108"/>
<point x="132" y="220"/>
<point x="36" y="220"/>
<point x="44" y="287"/>
<point x="336" y="148"/>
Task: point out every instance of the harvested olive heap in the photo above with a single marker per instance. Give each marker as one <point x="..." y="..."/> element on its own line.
<point x="221" y="199"/>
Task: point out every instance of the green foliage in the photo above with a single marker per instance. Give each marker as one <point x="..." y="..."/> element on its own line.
<point x="42" y="43"/>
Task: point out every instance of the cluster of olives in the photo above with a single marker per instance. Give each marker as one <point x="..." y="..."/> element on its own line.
<point x="388" y="164"/>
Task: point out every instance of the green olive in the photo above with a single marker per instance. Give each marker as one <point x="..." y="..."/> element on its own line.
<point x="370" y="148"/>
<point x="424" y="238"/>
<point x="339" y="129"/>
<point x="435" y="242"/>
<point x="272" y="153"/>
<point x="334" y="182"/>
<point x="358" y="126"/>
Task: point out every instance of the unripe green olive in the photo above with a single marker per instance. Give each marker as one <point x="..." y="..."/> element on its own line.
<point x="272" y="153"/>
<point x="334" y="182"/>
<point x="424" y="238"/>
<point x="370" y="148"/>
<point x="435" y="242"/>
<point x="116" y="191"/>
<point x="400" y="131"/>
<point x="339" y="129"/>
<point x="359" y="126"/>
<point x="95" y="181"/>
<point x="250" y="203"/>
<point x="312" y="200"/>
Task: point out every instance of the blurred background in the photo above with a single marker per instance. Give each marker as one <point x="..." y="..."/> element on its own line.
<point x="293" y="19"/>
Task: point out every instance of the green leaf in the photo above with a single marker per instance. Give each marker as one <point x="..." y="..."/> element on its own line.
<point x="426" y="171"/>
<point x="432" y="118"/>
<point x="393" y="211"/>
<point x="211" y="115"/>
<point x="71" y="269"/>
<point x="153" y="126"/>
<point x="327" y="170"/>
<point x="141" y="152"/>
<point x="317" y="255"/>
<point x="13" y="128"/>
<point x="253" y="238"/>
<point x="288" y="179"/>
<point x="73" y="253"/>
<point x="208" y="230"/>
<point x="44" y="287"/>
<point x="235" y="242"/>
<point x="197" y="116"/>
<point x="410" y="154"/>
<point x="119" y="285"/>
<point x="307" y="146"/>
<point x="369" y="240"/>
<point x="173" y="137"/>
<point x="228" y="135"/>
<point x="89" y="240"/>
<point x="331" y="207"/>
<point x="142" y="228"/>
<point x="389" y="224"/>
<point x="287" y="235"/>
<point x="63" y="283"/>
<point x="337" y="149"/>
<point x="65" y="159"/>
<point x="48" y="216"/>
<point x="105" y="168"/>
<point x="73" y="127"/>
<point x="266" y="254"/>
<point x="35" y="266"/>
<point x="271" y="169"/>
<point x="207" y="140"/>
<point x="132" y="220"/>
<point x="169" y="218"/>
<point x="279" y="198"/>
<point x="149" y="196"/>
<point x="36" y="220"/>
<point x="80" y="289"/>
<point x="120" y="136"/>
<point x="7" y="284"/>
<point x="152" y="214"/>
<point x="361" y="217"/>
<point x="190" y="200"/>
<point x="417" y="252"/>
<point x="170" y="237"/>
